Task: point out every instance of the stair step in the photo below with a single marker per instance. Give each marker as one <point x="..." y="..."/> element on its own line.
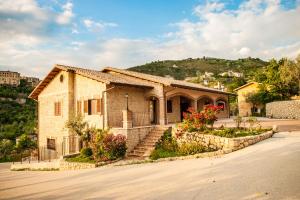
<point x="142" y="150"/>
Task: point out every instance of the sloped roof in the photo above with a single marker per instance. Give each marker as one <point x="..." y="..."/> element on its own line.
<point x="243" y="86"/>
<point x="89" y="73"/>
<point x="165" y="81"/>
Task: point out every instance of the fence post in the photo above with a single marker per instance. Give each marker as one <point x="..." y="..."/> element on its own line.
<point x="21" y="157"/>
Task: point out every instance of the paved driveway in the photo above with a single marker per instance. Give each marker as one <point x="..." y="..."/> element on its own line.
<point x="267" y="170"/>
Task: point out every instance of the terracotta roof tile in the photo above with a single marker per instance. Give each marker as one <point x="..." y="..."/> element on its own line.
<point x="93" y="74"/>
<point x="164" y="80"/>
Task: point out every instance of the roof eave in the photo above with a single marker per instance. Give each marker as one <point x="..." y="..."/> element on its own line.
<point x="202" y="89"/>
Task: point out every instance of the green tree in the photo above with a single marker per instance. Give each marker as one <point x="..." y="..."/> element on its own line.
<point x="290" y="73"/>
<point x="25" y="143"/>
<point x="6" y="147"/>
<point x="77" y="125"/>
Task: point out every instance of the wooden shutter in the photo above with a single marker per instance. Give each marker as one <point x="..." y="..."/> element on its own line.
<point x="99" y="105"/>
<point x="79" y="107"/>
<point x="55" y="109"/>
<point x="86" y="104"/>
<point x="59" y="108"/>
<point x="93" y="106"/>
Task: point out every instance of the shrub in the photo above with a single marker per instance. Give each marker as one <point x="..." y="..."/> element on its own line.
<point x="191" y="148"/>
<point x="198" y="121"/>
<point x="114" y="146"/>
<point x="161" y="153"/>
<point x="6" y="148"/>
<point x="86" y="152"/>
<point x="167" y="142"/>
<point x="96" y="143"/>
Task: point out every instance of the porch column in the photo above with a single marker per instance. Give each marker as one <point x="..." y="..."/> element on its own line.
<point x="162" y="110"/>
<point x="195" y="105"/>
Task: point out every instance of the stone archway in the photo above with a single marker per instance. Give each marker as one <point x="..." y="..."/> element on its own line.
<point x="203" y="101"/>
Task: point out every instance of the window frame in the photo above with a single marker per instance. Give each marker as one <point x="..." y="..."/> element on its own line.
<point x="51" y="144"/>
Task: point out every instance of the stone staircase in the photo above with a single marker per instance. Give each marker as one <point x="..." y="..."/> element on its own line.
<point x="147" y="145"/>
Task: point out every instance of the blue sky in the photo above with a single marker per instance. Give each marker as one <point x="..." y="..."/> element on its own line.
<point x="36" y="34"/>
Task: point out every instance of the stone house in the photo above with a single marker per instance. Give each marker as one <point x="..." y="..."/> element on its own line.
<point x="247" y="108"/>
<point x="127" y="102"/>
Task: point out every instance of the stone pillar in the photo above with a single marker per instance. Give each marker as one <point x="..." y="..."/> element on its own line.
<point x="162" y="110"/>
<point x="127" y="119"/>
<point x="195" y="105"/>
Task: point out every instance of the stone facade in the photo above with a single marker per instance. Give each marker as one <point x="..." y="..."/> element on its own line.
<point x="222" y="143"/>
<point x="244" y="106"/>
<point x="283" y="109"/>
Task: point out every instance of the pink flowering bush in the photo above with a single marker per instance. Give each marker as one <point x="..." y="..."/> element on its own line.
<point x="198" y="120"/>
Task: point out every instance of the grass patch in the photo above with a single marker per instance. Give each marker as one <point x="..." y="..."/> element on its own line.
<point x="167" y="147"/>
<point x="162" y="153"/>
<point x="235" y="132"/>
<point x="82" y="159"/>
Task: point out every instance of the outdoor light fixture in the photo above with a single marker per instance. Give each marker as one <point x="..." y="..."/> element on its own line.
<point x="126" y="96"/>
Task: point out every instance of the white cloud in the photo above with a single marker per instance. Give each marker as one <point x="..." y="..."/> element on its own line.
<point x="209" y="7"/>
<point x="66" y="16"/>
<point x="258" y="28"/>
<point x="97" y="26"/>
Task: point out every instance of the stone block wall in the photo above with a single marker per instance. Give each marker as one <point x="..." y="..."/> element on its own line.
<point x="134" y="135"/>
<point x="222" y="143"/>
<point x="283" y="109"/>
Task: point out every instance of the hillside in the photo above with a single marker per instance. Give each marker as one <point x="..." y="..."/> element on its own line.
<point x="18" y="113"/>
<point x="181" y="69"/>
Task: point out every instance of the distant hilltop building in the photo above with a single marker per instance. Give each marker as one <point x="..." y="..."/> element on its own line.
<point x="33" y="81"/>
<point x="232" y="74"/>
<point x="9" y="78"/>
<point x="13" y="78"/>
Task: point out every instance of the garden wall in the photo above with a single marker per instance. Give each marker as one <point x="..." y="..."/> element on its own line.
<point x="283" y="109"/>
<point x="222" y="143"/>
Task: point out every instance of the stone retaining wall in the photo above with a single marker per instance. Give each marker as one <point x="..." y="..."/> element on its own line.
<point x="64" y="165"/>
<point x="222" y="143"/>
<point x="283" y="109"/>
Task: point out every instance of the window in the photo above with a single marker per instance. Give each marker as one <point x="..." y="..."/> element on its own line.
<point x="51" y="144"/>
<point x="57" y="109"/>
<point x="92" y="106"/>
<point x="169" y="106"/>
<point x="99" y="105"/>
<point x="61" y="78"/>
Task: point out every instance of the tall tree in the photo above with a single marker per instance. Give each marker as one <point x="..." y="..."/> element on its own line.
<point x="290" y="73"/>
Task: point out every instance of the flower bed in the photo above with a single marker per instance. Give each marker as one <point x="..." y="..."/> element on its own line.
<point x="99" y="145"/>
<point x="168" y="146"/>
<point x="196" y="135"/>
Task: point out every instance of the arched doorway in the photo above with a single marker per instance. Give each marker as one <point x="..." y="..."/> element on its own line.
<point x="203" y="101"/>
<point x="185" y="103"/>
<point x="221" y="102"/>
<point x="154" y="110"/>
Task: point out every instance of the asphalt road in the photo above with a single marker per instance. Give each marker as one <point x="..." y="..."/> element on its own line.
<point x="267" y="170"/>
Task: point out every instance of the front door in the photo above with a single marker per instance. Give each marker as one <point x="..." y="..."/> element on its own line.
<point x="153" y="113"/>
<point x="184" y="105"/>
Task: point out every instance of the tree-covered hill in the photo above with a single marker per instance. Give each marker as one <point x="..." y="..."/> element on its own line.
<point x="180" y="69"/>
<point x="17" y="112"/>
